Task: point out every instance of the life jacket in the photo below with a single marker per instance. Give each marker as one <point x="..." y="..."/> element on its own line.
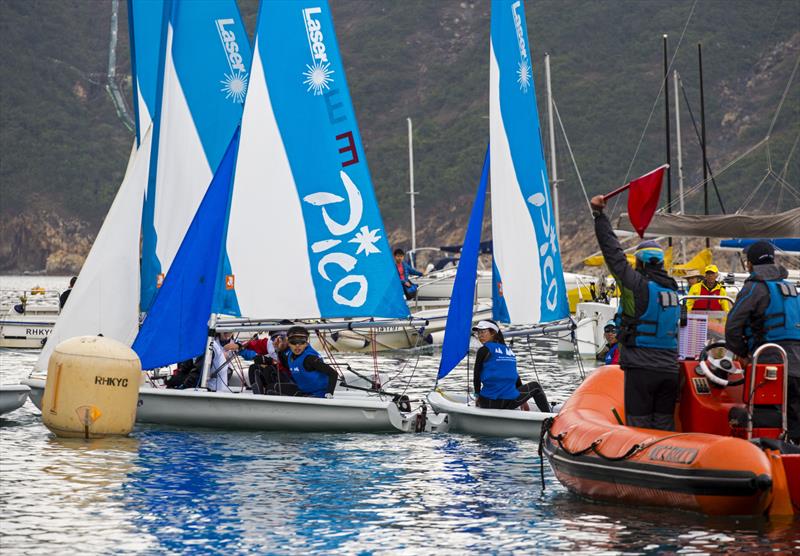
<point x="708" y="304"/>
<point x="781" y="320"/>
<point x="313" y="383"/>
<point x="658" y="326"/>
<point x="612" y="356"/>
<point x="499" y="374"/>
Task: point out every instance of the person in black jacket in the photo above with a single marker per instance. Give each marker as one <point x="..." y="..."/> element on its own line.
<point x="495" y="380"/>
<point x="648" y="335"/>
<point x="62" y="299"/>
<point x="767" y="310"/>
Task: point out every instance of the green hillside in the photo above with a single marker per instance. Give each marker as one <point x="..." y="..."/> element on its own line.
<point x="63" y="148"/>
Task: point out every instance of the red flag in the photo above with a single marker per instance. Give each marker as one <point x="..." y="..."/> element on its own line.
<point x="643" y="195"/>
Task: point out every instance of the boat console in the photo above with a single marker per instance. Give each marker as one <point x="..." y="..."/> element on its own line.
<point x="719" y="397"/>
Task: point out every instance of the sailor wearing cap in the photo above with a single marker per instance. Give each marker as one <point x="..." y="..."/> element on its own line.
<point x="767" y="309"/>
<point x="310" y="373"/>
<point x="610" y="355"/>
<point x="708" y="286"/>
<point x="496" y="381"/>
<point x="648" y="331"/>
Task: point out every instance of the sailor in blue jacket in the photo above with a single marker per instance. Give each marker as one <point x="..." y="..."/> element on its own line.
<point x="313" y="377"/>
<point x="767" y="310"/>
<point x="496" y="381"/>
<point x="648" y="327"/>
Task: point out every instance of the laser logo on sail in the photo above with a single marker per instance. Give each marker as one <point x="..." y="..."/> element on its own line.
<point x="318" y="72"/>
<point x="234" y="84"/>
<point x="524" y="65"/>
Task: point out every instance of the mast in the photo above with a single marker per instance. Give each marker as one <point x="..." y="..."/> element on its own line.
<point x="411" y="183"/>
<point x="703" y="134"/>
<point x="553" y="168"/>
<point x="680" y="156"/>
<point x="666" y="128"/>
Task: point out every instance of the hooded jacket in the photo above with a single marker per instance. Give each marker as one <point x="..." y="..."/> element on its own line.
<point x="750" y="306"/>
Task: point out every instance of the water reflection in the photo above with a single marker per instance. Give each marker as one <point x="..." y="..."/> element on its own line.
<point x="170" y="491"/>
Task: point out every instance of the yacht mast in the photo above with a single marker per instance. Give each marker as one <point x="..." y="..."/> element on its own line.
<point x="553" y="169"/>
<point x="411" y="184"/>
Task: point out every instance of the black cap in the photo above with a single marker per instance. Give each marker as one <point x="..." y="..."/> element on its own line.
<point x="761" y="252"/>
<point x="298" y="331"/>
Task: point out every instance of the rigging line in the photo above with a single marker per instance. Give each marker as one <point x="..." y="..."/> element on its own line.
<point x="783" y="97"/>
<point x="789" y="156"/>
<point x="768" y="195"/>
<point x="700" y="140"/>
<point x="785" y="184"/>
<point x="655" y="102"/>
<point x="725" y="168"/>
<point x="571" y="155"/>
<point x="752" y="194"/>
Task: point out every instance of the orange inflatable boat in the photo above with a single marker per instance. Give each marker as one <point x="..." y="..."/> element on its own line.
<point x="707" y="465"/>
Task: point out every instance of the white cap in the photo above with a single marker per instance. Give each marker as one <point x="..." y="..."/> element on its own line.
<point x="485" y="325"/>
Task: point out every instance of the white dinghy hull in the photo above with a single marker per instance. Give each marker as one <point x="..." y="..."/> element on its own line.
<point x="468" y="419"/>
<point x="347" y="412"/>
<point x="12" y="396"/>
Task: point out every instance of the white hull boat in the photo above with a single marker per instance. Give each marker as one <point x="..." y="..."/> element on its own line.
<point x="347" y="411"/>
<point x="439" y="284"/>
<point x="469" y="419"/>
<point x="402" y="337"/>
<point x="28" y="329"/>
<point x="590" y="319"/>
<point x="12" y="396"/>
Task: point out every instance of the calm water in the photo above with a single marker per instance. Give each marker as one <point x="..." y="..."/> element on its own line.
<point x="172" y="491"/>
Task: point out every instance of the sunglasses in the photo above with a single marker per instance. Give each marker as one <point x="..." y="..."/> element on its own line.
<point x="297" y="341"/>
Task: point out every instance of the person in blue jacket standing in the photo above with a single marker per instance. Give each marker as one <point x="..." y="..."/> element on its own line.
<point x="405" y="271"/>
<point x="767" y="310"/>
<point x="648" y="327"/>
<point x="495" y="380"/>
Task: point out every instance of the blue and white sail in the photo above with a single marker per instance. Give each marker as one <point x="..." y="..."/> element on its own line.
<point x="526" y="254"/>
<point x="204" y="74"/>
<point x="147" y="34"/>
<point x="460" y="311"/>
<point x="302" y="178"/>
<point x="176" y="327"/>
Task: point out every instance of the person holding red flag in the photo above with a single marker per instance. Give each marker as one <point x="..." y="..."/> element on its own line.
<point x="648" y="327"/>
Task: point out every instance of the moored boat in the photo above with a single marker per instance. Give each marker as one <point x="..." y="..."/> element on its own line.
<point x="12" y="396"/>
<point x="708" y="464"/>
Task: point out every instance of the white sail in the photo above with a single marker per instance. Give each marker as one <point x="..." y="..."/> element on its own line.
<point x="105" y="298"/>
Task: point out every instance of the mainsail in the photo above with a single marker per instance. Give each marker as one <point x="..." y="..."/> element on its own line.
<point x="524" y="241"/>
<point x="105" y="299"/>
<point x="528" y="275"/>
<point x="302" y="175"/>
<point x="203" y="72"/>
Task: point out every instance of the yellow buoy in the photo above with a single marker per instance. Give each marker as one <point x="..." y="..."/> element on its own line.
<point x="92" y="388"/>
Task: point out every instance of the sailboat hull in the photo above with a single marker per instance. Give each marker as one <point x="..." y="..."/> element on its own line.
<point x="346" y="412"/>
<point x="469" y="419"/>
<point x="12" y="397"/>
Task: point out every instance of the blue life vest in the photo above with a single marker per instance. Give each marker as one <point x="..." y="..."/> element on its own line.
<point x="499" y="374"/>
<point x="313" y="383"/>
<point x="658" y="326"/>
<point x="610" y="354"/>
<point x="781" y="320"/>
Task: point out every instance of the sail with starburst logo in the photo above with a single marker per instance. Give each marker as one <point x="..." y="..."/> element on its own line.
<point x="203" y="74"/>
<point x="529" y="281"/>
<point x="302" y="178"/>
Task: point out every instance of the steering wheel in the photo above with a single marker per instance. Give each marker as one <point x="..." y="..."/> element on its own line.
<point x="719" y="369"/>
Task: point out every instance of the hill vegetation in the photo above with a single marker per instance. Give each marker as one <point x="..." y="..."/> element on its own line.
<point x="63" y="148"/>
